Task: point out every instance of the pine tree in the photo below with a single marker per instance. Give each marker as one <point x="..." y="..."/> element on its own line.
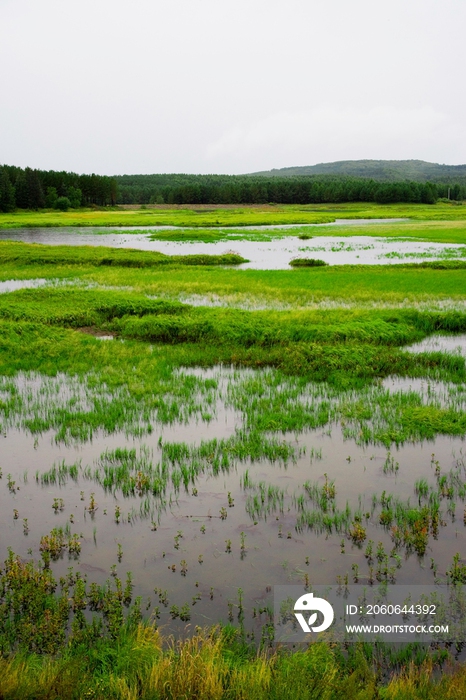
<point x="7" y="192"/>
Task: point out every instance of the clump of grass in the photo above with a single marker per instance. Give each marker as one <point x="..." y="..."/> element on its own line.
<point x="307" y="262"/>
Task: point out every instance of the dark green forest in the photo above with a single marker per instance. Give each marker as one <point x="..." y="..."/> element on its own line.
<point x="248" y="189"/>
<point x="37" y="189"/>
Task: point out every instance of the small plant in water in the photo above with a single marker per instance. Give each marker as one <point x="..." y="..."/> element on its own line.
<point x="92" y="504"/>
<point x="58" y="504"/>
<point x="357" y="533"/>
<point x="369" y="551"/>
<point x="243" y="541"/>
<point x="185" y="613"/>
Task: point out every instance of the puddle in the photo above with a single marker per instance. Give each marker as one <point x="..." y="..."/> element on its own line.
<point x="14" y="285"/>
<point x="453" y="344"/>
<point x="95" y="333"/>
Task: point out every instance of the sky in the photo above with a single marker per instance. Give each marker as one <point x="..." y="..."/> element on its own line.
<point x="229" y="86"/>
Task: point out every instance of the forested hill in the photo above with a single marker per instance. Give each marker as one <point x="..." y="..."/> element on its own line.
<point x="380" y="170"/>
<point x="36" y="189"/>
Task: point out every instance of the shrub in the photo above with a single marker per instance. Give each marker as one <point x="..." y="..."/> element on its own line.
<point x="63" y="203"/>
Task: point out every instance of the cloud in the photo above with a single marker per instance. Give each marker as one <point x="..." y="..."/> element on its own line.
<point x="326" y="133"/>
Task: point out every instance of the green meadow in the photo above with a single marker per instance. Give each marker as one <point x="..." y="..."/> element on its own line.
<point x="163" y="217"/>
<point x="135" y="495"/>
<point x="239" y="216"/>
<point x="206" y="278"/>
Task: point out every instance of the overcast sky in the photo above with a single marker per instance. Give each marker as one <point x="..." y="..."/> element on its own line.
<point x="229" y="86"/>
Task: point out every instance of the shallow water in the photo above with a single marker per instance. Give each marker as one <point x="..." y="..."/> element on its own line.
<point x="455" y="344"/>
<point x="275" y="254"/>
<point x="14" y="285"/>
<point x="275" y="551"/>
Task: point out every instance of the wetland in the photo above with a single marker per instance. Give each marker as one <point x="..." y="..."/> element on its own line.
<point x="238" y="429"/>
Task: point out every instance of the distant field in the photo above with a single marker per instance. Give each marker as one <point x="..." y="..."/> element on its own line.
<point x="163" y="217"/>
<point x="247" y="216"/>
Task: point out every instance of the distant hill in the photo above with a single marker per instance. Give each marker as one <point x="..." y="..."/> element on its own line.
<point x="382" y="170"/>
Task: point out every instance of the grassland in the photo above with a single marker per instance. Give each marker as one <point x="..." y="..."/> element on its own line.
<point x="162" y="217"/>
<point x="322" y="345"/>
<point x="20" y="255"/>
<point x="172" y="277"/>
<point x="198" y="217"/>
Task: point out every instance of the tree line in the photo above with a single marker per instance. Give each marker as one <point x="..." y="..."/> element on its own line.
<point x="37" y="189"/>
<point x="246" y="189"/>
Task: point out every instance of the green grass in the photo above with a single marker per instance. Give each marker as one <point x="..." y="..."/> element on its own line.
<point x="166" y="217"/>
<point x="126" y="386"/>
<point x="435" y="231"/>
<point x="179" y="277"/>
<point x="343" y="285"/>
<point x="50" y="649"/>
<point x="370" y="210"/>
<point x="20" y="254"/>
<point x="313" y="368"/>
<point x="347" y="347"/>
<point x="237" y="216"/>
<point x="308" y="262"/>
<point x="215" y="665"/>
